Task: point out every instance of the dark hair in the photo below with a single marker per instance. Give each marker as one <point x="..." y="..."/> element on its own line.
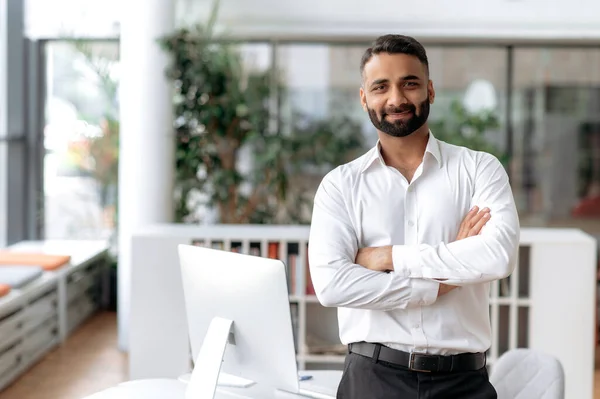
<point x="395" y="44"/>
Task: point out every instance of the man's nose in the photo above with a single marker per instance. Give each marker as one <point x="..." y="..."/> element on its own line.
<point x="396" y="98"/>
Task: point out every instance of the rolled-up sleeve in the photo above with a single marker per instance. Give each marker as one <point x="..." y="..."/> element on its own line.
<point x="332" y="249"/>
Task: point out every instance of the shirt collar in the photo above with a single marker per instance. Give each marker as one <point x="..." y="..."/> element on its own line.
<point x="433" y="148"/>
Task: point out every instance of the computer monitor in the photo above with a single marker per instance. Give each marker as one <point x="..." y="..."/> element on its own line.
<point x="221" y="287"/>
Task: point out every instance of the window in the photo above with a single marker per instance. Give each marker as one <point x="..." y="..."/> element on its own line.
<point x="321" y="83"/>
<point x="319" y="104"/>
<point x="557" y="136"/>
<point x="81" y="140"/>
<point x="470" y="82"/>
<point x="554" y="161"/>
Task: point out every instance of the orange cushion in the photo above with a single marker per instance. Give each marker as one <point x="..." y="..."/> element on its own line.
<point x="4" y="289"/>
<point x="45" y="261"/>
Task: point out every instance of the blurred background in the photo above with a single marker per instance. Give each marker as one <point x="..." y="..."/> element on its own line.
<point x="532" y="100"/>
<point x="256" y="100"/>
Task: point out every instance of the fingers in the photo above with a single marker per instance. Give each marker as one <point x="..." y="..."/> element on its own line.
<point x="465" y="224"/>
<point x="473" y="222"/>
<point x="481" y="219"/>
<point x="475" y="219"/>
<point x="471" y="214"/>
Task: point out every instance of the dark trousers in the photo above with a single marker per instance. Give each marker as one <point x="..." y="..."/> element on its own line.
<point x="365" y="379"/>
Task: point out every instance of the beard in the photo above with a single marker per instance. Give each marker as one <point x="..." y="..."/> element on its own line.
<point x="401" y="128"/>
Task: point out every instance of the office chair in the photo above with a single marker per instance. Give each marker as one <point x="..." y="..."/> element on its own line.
<point x="528" y="374"/>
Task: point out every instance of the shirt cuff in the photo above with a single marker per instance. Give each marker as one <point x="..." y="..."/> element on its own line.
<point x="424" y="292"/>
<point x="406" y="261"/>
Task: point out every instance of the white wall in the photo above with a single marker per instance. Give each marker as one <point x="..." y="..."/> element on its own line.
<point x="439" y="19"/>
<point x="501" y="19"/>
<point x="72" y="18"/>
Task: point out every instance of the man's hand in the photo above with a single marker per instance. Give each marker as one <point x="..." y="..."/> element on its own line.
<point x="375" y="258"/>
<point x="445" y="288"/>
<point x="470" y="226"/>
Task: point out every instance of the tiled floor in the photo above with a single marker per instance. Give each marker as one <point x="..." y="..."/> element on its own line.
<point x="89" y="362"/>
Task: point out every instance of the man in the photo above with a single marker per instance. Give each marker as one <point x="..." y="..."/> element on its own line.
<point x="405" y="240"/>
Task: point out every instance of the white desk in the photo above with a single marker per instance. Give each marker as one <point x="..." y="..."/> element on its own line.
<point x="175" y="389"/>
<point x="324" y="382"/>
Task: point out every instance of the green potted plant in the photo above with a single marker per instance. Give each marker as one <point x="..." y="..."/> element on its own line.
<point x="222" y="109"/>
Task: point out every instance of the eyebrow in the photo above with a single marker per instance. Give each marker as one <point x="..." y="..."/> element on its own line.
<point x="404" y="78"/>
<point x="411" y="77"/>
<point x="379" y="81"/>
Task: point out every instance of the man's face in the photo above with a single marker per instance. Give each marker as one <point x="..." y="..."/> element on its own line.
<point x="397" y="93"/>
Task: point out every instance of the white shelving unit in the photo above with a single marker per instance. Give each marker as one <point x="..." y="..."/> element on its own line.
<point x="40" y="316"/>
<point x="547" y="304"/>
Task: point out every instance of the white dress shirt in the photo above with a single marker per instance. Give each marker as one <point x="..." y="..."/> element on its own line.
<point x="365" y="203"/>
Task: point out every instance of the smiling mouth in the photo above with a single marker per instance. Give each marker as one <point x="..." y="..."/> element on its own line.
<point x="399" y="115"/>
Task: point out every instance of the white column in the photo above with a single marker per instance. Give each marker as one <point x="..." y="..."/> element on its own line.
<point x="146" y="158"/>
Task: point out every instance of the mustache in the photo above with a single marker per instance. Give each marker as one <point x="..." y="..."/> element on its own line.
<point x="400" y="109"/>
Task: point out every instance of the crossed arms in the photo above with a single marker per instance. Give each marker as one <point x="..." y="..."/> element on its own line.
<point x="404" y="276"/>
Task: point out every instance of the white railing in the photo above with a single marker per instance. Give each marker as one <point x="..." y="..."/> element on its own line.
<point x="548" y="303"/>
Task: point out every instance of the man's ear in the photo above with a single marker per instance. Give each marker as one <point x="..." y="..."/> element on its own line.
<point x="430" y="92"/>
<point x="363" y="99"/>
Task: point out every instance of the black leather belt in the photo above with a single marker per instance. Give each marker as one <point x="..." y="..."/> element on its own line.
<point x="420" y="361"/>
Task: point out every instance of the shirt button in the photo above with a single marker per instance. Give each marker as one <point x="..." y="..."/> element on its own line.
<point x="411" y="223"/>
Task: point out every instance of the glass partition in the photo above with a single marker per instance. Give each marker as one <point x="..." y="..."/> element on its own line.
<point x="556" y="117"/>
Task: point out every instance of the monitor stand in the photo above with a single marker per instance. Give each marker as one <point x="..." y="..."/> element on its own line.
<point x="206" y="374"/>
<point x="225" y="380"/>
